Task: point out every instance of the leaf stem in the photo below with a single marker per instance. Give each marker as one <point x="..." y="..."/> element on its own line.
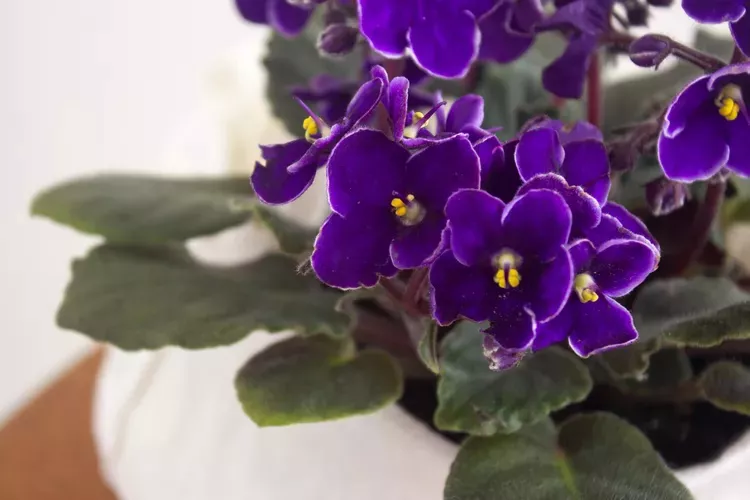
<point x="594" y="90"/>
<point x="621" y="42"/>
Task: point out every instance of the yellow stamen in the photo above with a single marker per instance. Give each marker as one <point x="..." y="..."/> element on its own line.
<point x="583" y="286"/>
<point x="397" y="203"/>
<point x="728" y="102"/>
<point x="409" y="197"/>
<point x="514" y="279"/>
<point x="410" y="212"/>
<point x="310" y="127"/>
<point x="507" y="273"/>
<point x="418" y="115"/>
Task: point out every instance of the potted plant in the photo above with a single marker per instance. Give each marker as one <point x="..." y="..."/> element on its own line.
<point x="554" y="295"/>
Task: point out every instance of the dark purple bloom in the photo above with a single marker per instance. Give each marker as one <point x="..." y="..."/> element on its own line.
<point x="570" y="132"/>
<point x="591" y="320"/>
<point x="508" y="31"/>
<point x="618" y="223"/>
<point x="281" y="15"/>
<point x="442" y="34"/>
<point x="506" y="264"/>
<point x="582" y="163"/>
<point x="707" y="126"/>
<point x="388" y="206"/>
<point x="338" y="39"/>
<point x="290" y="168"/>
<point x="721" y="11"/>
<point x="465" y="116"/>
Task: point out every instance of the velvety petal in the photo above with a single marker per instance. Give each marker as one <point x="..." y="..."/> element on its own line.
<point x="741" y="33"/>
<point x="365" y="169"/>
<point x="475" y="133"/>
<point x="565" y="76"/>
<point x="474" y="218"/>
<point x="441" y="114"/>
<point x="714" y="11"/>
<point x="583" y="207"/>
<point x="490" y="151"/>
<point x="621" y="265"/>
<point x="398" y="99"/>
<point x="417" y="245"/>
<point x="503" y="180"/>
<point x="537" y="224"/>
<point x="385" y="23"/>
<point x="512" y="327"/>
<point x="364" y="101"/>
<point x="699" y="151"/>
<point x="477" y="7"/>
<point x="577" y="131"/>
<point x="739" y="146"/>
<point x="582" y="252"/>
<point x="599" y="326"/>
<point x="287" y="18"/>
<point x="685" y="104"/>
<point x="590" y="17"/>
<point x="587" y="165"/>
<point x="255" y="11"/>
<point x="438" y="171"/>
<point x="539" y="152"/>
<point x="354" y="252"/>
<point x="630" y="222"/>
<point x="609" y="228"/>
<point x="557" y="329"/>
<point x="441" y="55"/>
<point x="465" y="111"/>
<point x="548" y="286"/>
<point x="272" y="182"/>
<point x="458" y="290"/>
<point x="499" y="42"/>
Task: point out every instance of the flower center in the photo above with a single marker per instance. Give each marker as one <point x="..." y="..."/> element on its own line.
<point x="413" y="128"/>
<point x="507" y="263"/>
<point x="728" y="102"/>
<point x="410" y="212"/>
<point x="311" y="128"/>
<point x="584" y="286"/>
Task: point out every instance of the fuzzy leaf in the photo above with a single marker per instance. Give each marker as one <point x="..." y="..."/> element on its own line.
<point x="315" y="379"/>
<point x="592" y="457"/>
<point x="293" y="238"/>
<point x="147" y="298"/>
<point x="427" y="349"/>
<point x="474" y="399"/>
<point x="726" y="384"/>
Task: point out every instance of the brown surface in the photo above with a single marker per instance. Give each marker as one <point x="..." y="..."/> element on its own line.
<point x="46" y="450"/>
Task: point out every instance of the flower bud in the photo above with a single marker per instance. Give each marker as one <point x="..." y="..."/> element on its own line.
<point x="338" y="39"/>
<point x="649" y="51"/>
<point x="665" y="196"/>
<point x="637" y="14"/>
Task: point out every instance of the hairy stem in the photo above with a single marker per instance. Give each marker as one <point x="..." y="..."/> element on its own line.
<point x="594" y="91"/>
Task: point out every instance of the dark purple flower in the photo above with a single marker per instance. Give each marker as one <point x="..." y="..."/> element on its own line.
<point x="442" y="34"/>
<point x="388" y="206"/>
<point x="508" y="31"/>
<point x="290" y="168"/>
<point x="506" y="264"/>
<point x="591" y="320"/>
<point x="500" y="176"/>
<point x="618" y="223"/>
<point x="281" y="15"/>
<point x="707" y="126"/>
<point x="582" y="163"/>
<point x="570" y="132"/>
<point x="584" y="21"/>
<point x="721" y="11"/>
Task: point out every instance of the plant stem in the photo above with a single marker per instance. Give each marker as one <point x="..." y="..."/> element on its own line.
<point x="621" y="41"/>
<point x="738" y="56"/>
<point x="594" y="91"/>
<point x="473" y="77"/>
<point x="398" y="295"/>
<point x="382" y="331"/>
<point x="414" y="290"/>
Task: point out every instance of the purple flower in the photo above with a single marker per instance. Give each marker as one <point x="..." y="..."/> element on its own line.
<point x="721" y="11"/>
<point x="388" y="206"/>
<point x="290" y="168"/>
<point x="465" y="116"/>
<point x="500" y="176"/>
<point x="281" y="15"/>
<point x="707" y="126"/>
<point x="508" y="31"/>
<point x="506" y="264"/>
<point x="591" y="320"/>
<point x="582" y="163"/>
<point x="618" y="223"/>
<point x="442" y="34"/>
<point x="571" y="132"/>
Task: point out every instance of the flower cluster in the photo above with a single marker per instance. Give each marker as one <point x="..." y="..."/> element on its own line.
<point x="518" y="234"/>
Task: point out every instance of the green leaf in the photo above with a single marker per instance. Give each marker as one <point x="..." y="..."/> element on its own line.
<point x="146" y="298"/>
<point x="304" y="380"/>
<point x="698" y="312"/>
<point x="293" y="238"/>
<point x="428" y="348"/>
<point x="146" y="209"/>
<point x="474" y="399"/>
<point x="592" y="457"/>
<point x="630" y="361"/>
<point x="726" y="384"/>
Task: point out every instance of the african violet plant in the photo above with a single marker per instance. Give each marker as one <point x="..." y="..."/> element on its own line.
<point x="561" y="284"/>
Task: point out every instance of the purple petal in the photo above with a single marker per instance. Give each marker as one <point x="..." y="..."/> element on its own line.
<point x="466" y="111"/>
<point x="537" y="224"/>
<point x="417" y="245"/>
<point x="385" y="23"/>
<point x="500" y="43"/>
<point x="590" y="17"/>
<point x="741" y="33"/>
<point x="577" y="131"/>
<point x="583" y="207"/>
<point x="503" y="180"/>
<point x="550" y="286"/>
<point x="286" y="18"/>
<point x="714" y="11"/>
<point x="366" y="169"/>
<point x="565" y="76"/>
<point x="441" y="114"/>
<point x="557" y="329"/>
<point x="477" y="7"/>
<point x="685" y="104"/>
<point x="474" y="218"/>
<point x="363" y="103"/>
<point x="621" y="265"/>
<point x="587" y="165"/>
<point x="273" y="184"/>
<point x="699" y="151"/>
<point x="512" y="328"/>
<point x="599" y="326"/>
<point x="500" y="359"/>
<point x="255" y="11"/>
<point x="608" y="229"/>
<point x="458" y="290"/>
<point x="438" y="171"/>
<point x="539" y="152"/>
<point x="581" y="252"/>
<point x="490" y="151"/>
<point x="629" y="222"/>
<point x="398" y="99"/>
<point x="441" y="55"/>
<point x="739" y="146"/>
<point x="354" y="252"/>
